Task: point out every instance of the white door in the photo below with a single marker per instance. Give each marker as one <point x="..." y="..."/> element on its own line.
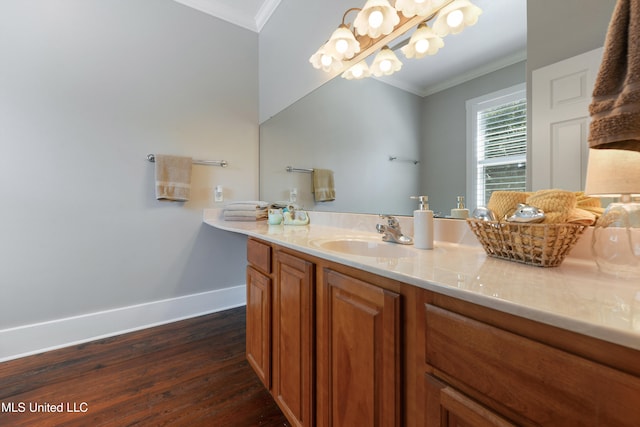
<point x="561" y="94"/>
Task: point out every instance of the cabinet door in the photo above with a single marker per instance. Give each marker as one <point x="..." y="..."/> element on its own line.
<point x="447" y="407"/>
<point x="259" y="324"/>
<point x="293" y="320"/>
<point x="360" y="353"/>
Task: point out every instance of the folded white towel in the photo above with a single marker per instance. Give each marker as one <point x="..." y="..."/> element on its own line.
<point x="252" y="215"/>
<point x="246" y="206"/>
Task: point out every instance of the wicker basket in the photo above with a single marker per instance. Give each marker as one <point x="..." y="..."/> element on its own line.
<point x="542" y="245"/>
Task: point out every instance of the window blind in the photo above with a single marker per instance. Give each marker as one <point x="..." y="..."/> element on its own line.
<point x="501" y="148"/>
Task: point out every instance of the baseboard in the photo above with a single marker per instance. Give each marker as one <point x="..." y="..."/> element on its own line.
<point x="40" y="337"/>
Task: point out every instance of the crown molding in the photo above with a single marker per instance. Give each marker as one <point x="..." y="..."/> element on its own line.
<point x="233" y="15"/>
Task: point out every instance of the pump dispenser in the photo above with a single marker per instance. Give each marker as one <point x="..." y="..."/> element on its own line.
<point x="460" y="211"/>
<point x="422" y="224"/>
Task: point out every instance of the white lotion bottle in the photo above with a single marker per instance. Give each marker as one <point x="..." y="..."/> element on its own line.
<point x="422" y="224"/>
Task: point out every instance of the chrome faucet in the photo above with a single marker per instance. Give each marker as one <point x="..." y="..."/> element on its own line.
<point x="391" y="232"/>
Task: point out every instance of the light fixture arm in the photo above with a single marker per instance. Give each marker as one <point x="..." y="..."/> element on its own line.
<point x="344" y="17"/>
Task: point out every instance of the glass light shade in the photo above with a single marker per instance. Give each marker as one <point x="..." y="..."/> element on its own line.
<point x="385" y="63"/>
<point x="323" y="60"/>
<point x="389" y="20"/>
<point x="446" y="23"/>
<point x="358" y="71"/>
<point x="616" y="235"/>
<point x="342" y="44"/>
<point x="410" y="8"/>
<point x="424" y="41"/>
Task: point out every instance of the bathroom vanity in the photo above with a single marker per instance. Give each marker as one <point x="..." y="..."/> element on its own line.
<point x="345" y="330"/>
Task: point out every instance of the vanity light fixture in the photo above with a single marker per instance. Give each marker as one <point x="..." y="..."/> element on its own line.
<point x="616" y="235"/>
<point x="378" y="23"/>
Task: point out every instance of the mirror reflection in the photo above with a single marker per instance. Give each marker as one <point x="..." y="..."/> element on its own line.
<point x="354" y="128"/>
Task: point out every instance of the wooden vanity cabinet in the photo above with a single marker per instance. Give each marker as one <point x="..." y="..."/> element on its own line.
<point x="359" y="352"/>
<point x="324" y="342"/>
<point x="339" y="346"/>
<point x="259" y="306"/>
<point x="293" y="338"/>
<point x="281" y="328"/>
<point x="487" y="368"/>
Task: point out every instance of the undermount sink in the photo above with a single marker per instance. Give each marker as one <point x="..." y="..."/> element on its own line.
<point x="365" y="247"/>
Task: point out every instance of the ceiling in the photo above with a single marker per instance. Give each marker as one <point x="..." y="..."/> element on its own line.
<point x="497" y="40"/>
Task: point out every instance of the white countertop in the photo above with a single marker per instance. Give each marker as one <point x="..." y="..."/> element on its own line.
<point x="573" y="296"/>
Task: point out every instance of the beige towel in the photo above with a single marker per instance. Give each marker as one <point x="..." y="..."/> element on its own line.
<point x="504" y="203"/>
<point x="615" y="109"/>
<point x="249" y="205"/>
<point x="323" y="187"/>
<point x="250" y="215"/>
<point x="556" y="204"/>
<point x="173" y="177"/>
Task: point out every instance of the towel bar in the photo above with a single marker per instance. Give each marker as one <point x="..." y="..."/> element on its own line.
<point x="223" y="163"/>
<point x="392" y="158"/>
<point x="292" y="169"/>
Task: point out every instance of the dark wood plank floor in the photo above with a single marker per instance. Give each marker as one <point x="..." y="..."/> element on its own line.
<point x="191" y="373"/>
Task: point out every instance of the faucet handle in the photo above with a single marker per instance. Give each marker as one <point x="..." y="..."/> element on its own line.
<point x="391" y="220"/>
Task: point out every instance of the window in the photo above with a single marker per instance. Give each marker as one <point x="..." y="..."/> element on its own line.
<point x="496" y="144"/>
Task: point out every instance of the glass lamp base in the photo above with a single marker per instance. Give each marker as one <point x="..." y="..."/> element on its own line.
<point x="616" y="240"/>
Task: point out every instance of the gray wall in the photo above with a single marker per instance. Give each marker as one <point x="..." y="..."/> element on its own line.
<point x="443" y="171"/>
<point x="558" y="30"/>
<point x="293" y="33"/>
<point x="87" y="89"/>
<point x="350" y="127"/>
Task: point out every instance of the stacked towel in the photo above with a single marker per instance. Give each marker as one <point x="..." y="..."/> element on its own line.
<point x="559" y="206"/>
<point x="323" y="187"/>
<point x="245" y="211"/>
<point x="615" y="109"/>
<point x="173" y="177"/>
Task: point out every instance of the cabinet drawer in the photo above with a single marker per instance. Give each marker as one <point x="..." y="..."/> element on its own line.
<point x="528" y="380"/>
<point x="259" y="255"/>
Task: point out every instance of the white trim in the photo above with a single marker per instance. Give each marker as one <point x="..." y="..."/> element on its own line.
<point x="265" y="12"/>
<point x="236" y="16"/>
<point x="40" y="337"/>
<point x="473" y="106"/>
<point x="474" y="73"/>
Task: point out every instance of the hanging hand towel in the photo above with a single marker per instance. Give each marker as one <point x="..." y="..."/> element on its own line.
<point x="615" y="109"/>
<point x="323" y="190"/>
<point x="173" y="178"/>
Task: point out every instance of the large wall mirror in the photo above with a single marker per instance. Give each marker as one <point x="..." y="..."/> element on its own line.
<point x="385" y="144"/>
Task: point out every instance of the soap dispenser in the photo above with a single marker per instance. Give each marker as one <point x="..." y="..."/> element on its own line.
<point x="460" y="211"/>
<point x="422" y="224"/>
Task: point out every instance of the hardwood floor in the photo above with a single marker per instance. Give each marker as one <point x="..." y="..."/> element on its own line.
<point x="192" y="372"/>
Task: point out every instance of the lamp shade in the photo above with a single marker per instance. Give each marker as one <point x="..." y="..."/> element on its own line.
<point x="385" y="63"/>
<point x="376" y="18"/>
<point x="358" y="71"/>
<point x="322" y="59"/>
<point x="612" y="173"/>
<point x="411" y="8"/>
<point x="342" y="44"/>
<point x="423" y="42"/>
<point x="454" y="17"/>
